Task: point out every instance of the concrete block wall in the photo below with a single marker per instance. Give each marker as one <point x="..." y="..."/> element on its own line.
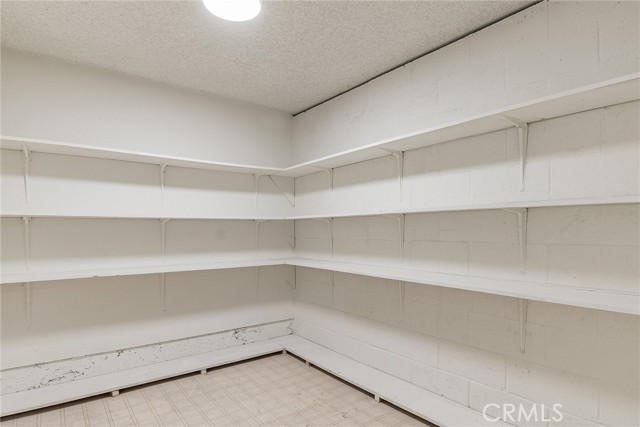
<point x="465" y="345"/>
<point x="593" y="247"/>
<point x="546" y="49"/>
<point x="590" y="156"/>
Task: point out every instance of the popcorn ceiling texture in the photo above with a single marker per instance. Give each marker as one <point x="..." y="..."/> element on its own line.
<point x="291" y="57"/>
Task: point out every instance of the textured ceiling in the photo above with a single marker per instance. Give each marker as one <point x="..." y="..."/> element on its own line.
<point x="294" y="55"/>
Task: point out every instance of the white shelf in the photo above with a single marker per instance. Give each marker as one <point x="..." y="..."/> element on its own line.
<point x="416" y="400"/>
<point x="610" y="92"/>
<point x="79" y="389"/>
<point x="41" y="276"/>
<point x="603" y="94"/>
<point x="65" y="148"/>
<point x="133" y="216"/>
<point x="558" y="294"/>
<point x="616" y="200"/>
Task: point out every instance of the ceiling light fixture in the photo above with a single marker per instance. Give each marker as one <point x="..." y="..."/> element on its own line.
<point x="233" y="10"/>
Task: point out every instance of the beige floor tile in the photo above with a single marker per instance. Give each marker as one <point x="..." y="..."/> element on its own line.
<point x="273" y="391"/>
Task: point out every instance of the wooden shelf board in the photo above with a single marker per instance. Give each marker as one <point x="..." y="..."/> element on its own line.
<point x="135" y="216"/>
<point x="55" y="147"/>
<point x="546" y="292"/>
<point x="616" y="200"/>
<point x="423" y="403"/>
<point x="559" y="294"/>
<point x="79" y="389"/>
<point x="41" y="276"/>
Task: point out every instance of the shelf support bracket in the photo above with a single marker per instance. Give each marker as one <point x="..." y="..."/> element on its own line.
<point x="256" y="280"/>
<point x="523" y="142"/>
<point x="522" y="214"/>
<point x="256" y="187"/>
<point x="329" y="173"/>
<point x="399" y="156"/>
<point x="401" y="290"/>
<point x="522" y="317"/>
<point x="163" y="172"/>
<point x="27" y="303"/>
<point x="333" y="283"/>
<point x="27" y="241"/>
<point x="27" y="171"/>
<point x="163" y="236"/>
<point x="256" y="234"/>
<point x="163" y="292"/>
<point x="292" y="202"/>
<point x="400" y="218"/>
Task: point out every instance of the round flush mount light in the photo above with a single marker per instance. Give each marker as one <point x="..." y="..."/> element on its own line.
<point x="233" y="10"/>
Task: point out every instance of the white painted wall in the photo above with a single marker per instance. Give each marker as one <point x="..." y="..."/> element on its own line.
<point x="546" y="49"/>
<point x="465" y="345"/>
<point x="58" y="101"/>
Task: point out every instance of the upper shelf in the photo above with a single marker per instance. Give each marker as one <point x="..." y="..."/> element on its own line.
<point x="610" y="92"/>
<point x="54" y="147"/>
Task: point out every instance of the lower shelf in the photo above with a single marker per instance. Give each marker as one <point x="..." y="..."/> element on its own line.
<point x="414" y="399"/>
<point x="56" y="394"/>
<point x="411" y="398"/>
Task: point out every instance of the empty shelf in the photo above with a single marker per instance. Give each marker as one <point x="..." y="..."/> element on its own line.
<point x="414" y="399"/>
<point x="580" y="297"/>
<point x="79" y="389"/>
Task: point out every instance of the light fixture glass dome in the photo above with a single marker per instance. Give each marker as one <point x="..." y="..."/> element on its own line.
<point x="234" y="10"/>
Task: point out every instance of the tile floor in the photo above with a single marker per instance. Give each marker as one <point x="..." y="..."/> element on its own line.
<point x="271" y="391"/>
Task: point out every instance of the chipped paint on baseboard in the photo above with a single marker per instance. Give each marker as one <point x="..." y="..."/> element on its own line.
<point x="41" y="375"/>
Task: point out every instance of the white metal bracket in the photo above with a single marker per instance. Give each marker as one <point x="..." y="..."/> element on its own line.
<point x="401" y="290"/>
<point x="400" y="218"/>
<point x="27" y="241"/>
<point x="163" y="172"/>
<point x="163" y="292"/>
<point x="27" y="303"/>
<point x="333" y="284"/>
<point x="256" y="234"/>
<point x="329" y="172"/>
<point x="399" y="155"/>
<point x="163" y="236"/>
<point x="522" y="317"/>
<point x="523" y="142"/>
<point x="522" y="214"/>
<point x="256" y="280"/>
<point x="292" y="201"/>
<point x="27" y="171"/>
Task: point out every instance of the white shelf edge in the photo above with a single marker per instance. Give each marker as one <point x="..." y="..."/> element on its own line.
<point x="82" y="150"/>
<point x="29" y="400"/>
<point x="615" y="200"/>
<point x="416" y="400"/>
<point x="559" y="294"/>
<point x="546" y="292"/>
<point x="602" y="94"/>
<point x="45" y="276"/>
<point x="142" y="217"/>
